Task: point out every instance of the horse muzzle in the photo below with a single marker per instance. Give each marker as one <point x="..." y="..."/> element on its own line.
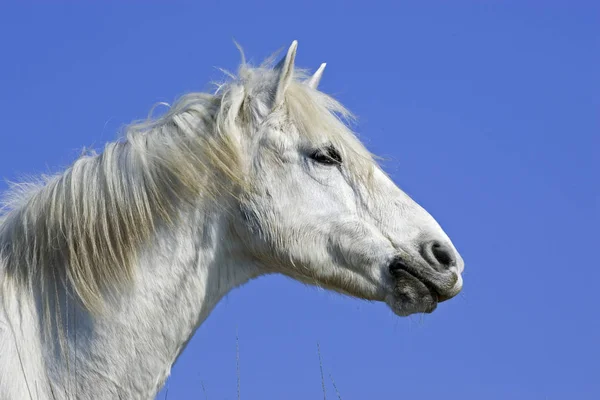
<point x="420" y="285"/>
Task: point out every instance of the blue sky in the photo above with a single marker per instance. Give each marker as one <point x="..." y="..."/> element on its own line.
<point x="488" y="114"/>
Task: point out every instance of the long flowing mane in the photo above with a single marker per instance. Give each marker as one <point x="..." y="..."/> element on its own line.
<point x="84" y="227"/>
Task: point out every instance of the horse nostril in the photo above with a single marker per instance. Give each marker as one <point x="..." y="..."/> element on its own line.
<point x="441" y="254"/>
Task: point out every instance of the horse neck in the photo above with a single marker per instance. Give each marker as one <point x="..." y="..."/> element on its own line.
<point x="128" y="353"/>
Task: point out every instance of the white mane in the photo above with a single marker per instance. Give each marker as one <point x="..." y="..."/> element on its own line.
<point x="85" y="226"/>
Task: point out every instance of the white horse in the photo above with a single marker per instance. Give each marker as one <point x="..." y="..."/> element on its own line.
<point x="107" y="269"/>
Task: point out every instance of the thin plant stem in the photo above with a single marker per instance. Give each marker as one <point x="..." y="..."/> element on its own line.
<point x="237" y="361"/>
<point x="321" y="368"/>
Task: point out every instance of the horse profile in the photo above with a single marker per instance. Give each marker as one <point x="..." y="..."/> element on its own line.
<point x="108" y="269"/>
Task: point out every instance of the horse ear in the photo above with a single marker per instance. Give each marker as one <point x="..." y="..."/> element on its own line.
<point x="313" y="81"/>
<point x="286" y="72"/>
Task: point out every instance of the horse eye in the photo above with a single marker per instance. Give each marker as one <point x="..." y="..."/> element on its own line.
<point x="327" y="155"/>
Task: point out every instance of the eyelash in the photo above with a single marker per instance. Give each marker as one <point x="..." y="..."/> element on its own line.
<point x="327" y="155"/>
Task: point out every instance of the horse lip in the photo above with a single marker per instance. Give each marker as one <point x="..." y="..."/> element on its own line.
<point x="431" y="286"/>
<point x="443" y="298"/>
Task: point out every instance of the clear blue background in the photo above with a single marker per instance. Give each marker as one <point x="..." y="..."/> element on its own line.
<point x="488" y="113"/>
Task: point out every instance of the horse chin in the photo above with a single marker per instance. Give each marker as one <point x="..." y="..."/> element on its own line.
<point x="412" y="296"/>
<point x="404" y="306"/>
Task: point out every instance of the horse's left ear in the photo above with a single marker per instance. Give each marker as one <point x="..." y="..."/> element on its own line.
<point x="313" y="81"/>
<point x="286" y="72"/>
